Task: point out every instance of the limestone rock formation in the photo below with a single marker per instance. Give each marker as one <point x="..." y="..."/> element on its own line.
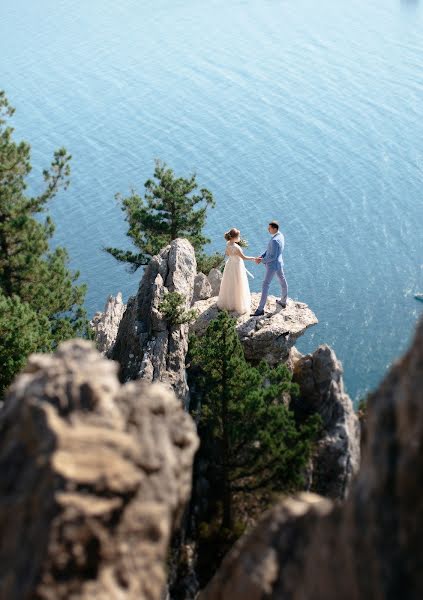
<point x="202" y="288"/>
<point x="293" y="358"/>
<point x="367" y="548"/>
<point x="147" y="347"/>
<point x="337" y="457"/>
<point x="254" y="568"/>
<point x="268" y="338"/>
<point x="106" y="324"/>
<point x="215" y="279"/>
<point x="93" y="478"/>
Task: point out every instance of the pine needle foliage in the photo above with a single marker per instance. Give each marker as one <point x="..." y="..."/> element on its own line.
<point x="172" y="207"/>
<point x="49" y="304"/>
<point x="207" y="262"/>
<point x="173" y="309"/>
<point x="243" y="415"/>
<point x="22" y="331"/>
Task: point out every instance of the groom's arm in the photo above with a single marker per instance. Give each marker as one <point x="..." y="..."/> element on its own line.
<point x="272" y="255"/>
<point x="260" y="257"/>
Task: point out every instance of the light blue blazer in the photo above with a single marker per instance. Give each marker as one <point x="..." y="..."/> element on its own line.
<point x="272" y="258"/>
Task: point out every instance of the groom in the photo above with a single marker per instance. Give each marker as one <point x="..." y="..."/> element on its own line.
<point x="272" y="258"/>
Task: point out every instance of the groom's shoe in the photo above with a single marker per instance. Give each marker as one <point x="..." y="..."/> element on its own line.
<point x="281" y="303"/>
<point x="257" y="313"/>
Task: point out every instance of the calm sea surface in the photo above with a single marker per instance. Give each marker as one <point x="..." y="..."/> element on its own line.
<point x="307" y="112"/>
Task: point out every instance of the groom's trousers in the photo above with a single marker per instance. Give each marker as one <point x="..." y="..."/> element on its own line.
<point x="270" y="273"/>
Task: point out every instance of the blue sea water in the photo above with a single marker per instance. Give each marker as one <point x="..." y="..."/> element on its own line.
<point x="302" y="111"/>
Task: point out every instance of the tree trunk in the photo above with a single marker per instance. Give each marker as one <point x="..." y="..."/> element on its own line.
<point x="227" y="504"/>
<point x="227" y="493"/>
<point x="173" y="224"/>
<point x="7" y="277"/>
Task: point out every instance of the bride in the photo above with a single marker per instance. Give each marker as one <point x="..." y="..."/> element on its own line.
<point x="234" y="292"/>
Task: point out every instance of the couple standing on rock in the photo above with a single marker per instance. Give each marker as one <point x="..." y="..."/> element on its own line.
<point x="234" y="290"/>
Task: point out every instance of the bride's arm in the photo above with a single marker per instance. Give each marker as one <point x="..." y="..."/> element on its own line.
<point x="240" y="253"/>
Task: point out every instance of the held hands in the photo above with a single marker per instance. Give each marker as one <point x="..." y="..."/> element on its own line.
<point x="258" y="260"/>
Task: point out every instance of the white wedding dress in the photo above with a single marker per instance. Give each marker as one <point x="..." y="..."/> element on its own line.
<point x="234" y="292"/>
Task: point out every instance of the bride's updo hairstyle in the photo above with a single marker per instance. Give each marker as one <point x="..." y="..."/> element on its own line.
<point x="231" y="234"/>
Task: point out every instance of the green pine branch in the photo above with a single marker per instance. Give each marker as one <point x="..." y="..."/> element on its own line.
<point x="172" y="207"/>
<point x="41" y="303"/>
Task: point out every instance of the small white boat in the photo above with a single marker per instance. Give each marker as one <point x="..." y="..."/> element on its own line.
<point x="419" y="297"/>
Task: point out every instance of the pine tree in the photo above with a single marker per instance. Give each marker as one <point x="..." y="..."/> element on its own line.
<point x="243" y="415"/>
<point x="173" y="309"/>
<point x="32" y="275"/>
<point x="22" y="331"/>
<point x="171" y="208"/>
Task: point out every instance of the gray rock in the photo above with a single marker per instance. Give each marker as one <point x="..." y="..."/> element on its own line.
<point x="268" y="338"/>
<point x="202" y="288"/>
<point x="94" y="477"/>
<point x="337" y="456"/>
<point x="268" y="562"/>
<point x="367" y="547"/>
<point x="147" y="347"/>
<point x="293" y="358"/>
<point x="106" y="324"/>
<point x="215" y="279"/>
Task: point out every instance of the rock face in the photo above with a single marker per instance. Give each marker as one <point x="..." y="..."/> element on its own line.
<point x="106" y="324"/>
<point x="93" y="478"/>
<point x="368" y="548"/>
<point x="255" y="567"/>
<point x="337" y="458"/>
<point x="294" y="356"/>
<point x="202" y="288"/>
<point x="268" y="338"/>
<point x="215" y="279"/>
<point x="147" y="347"/>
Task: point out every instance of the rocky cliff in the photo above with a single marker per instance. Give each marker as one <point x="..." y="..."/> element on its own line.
<point x="94" y="477"/>
<point x="337" y="455"/>
<point x="105" y="324"/>
<point x="268" y="338"/>
<point x="367" y="548"/>
<point x="148" y="347"/>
